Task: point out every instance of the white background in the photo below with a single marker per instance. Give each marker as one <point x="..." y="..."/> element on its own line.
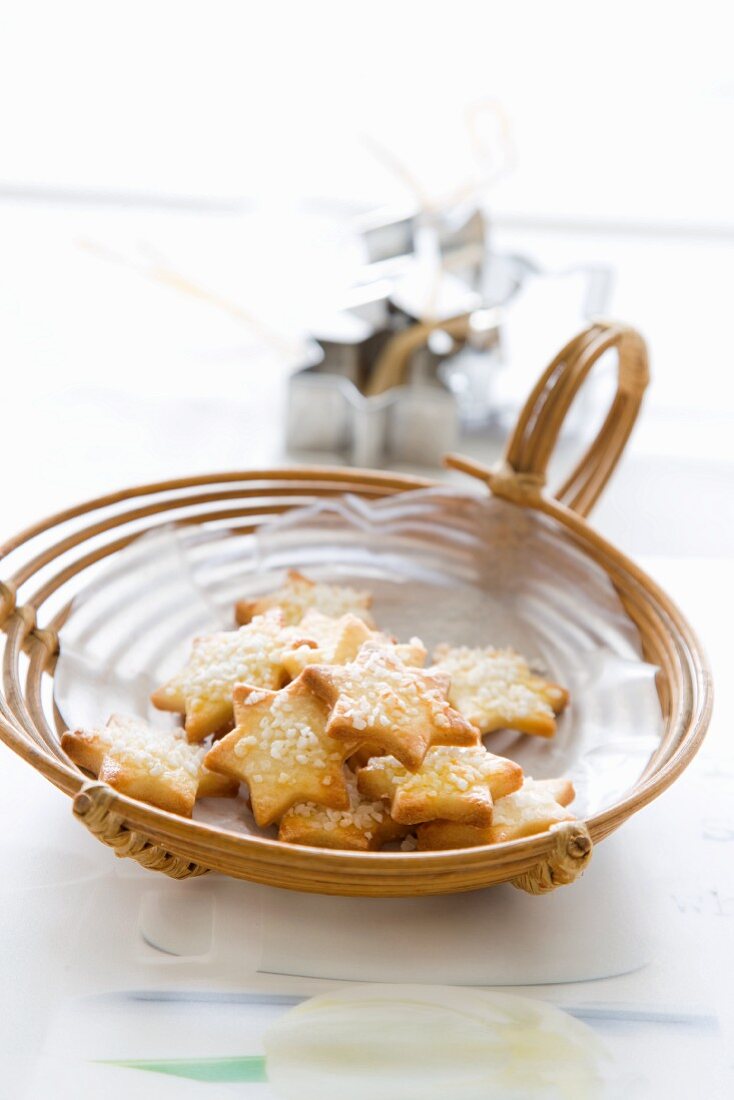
<point x="199" y="133"/>
<point x="215" y="135"/>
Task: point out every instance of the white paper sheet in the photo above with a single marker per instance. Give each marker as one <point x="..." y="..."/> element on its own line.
<point x="444" y="566"/>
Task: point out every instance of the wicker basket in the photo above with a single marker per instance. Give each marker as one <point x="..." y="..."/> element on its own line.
<point x="44" y="565"/>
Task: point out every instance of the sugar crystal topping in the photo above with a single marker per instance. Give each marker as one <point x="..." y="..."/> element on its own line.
<point x="445" y="769"/>
<point x="533" y="802"/>
<point x="327" y="640"/>
<point x="384" y="692"/>
<point x="157" y="752"/>
<point x="362" y="815"/>
<point x="252" y="654"/>
<point x="324" y="629"/>
<point x="299" y="594"/>
<point x="487" y="681"/>
<point x="288" y="737"/>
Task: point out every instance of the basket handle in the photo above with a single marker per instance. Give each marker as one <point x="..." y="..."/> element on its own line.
<point x="521" y="474"/>
<point x="567" y="858"/>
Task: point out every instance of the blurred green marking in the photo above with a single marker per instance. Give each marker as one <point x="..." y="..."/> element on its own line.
<point x="217" y="1070"/>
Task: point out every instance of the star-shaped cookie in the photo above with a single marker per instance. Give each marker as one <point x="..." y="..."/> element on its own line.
<point x="152" y="765"/>
<point x="280" y="748"/>
<point x="399" y="710"/>
<point x="330" y="641"/>
<point x="458" y="784"/>
<point x="496" y="689"/>
<point x="538" y="805"/>
<point x="299" y="594"/>
<point x="202" y="690"/>
<point x="364" y="827"/>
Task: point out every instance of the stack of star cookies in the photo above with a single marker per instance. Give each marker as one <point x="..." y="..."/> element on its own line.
<point x="339" y="734"/>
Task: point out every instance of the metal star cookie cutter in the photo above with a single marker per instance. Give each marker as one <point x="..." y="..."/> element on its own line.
<point x="413" y="424"/>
